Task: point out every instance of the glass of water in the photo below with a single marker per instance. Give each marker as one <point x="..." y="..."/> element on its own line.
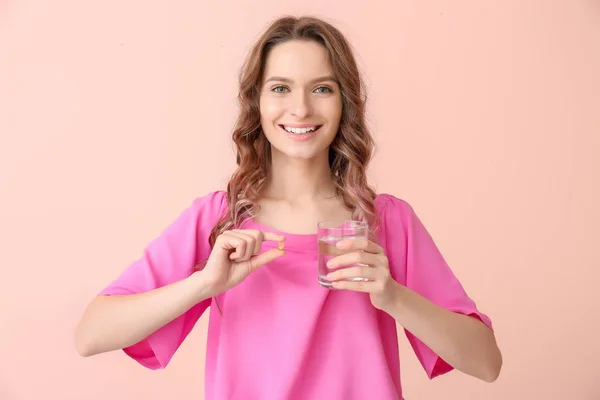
<point x="329" y="234"/>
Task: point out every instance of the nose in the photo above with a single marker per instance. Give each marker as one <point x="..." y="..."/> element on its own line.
<point x="300" y="105"/>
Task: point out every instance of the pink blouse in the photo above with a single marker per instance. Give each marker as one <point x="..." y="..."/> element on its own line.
<point x="281" y="335"/>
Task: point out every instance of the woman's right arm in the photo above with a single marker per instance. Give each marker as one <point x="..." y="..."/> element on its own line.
<point x="113" y="322"/>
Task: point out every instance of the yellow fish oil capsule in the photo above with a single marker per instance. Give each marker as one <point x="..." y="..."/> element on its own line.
<point x="280" y="245"/>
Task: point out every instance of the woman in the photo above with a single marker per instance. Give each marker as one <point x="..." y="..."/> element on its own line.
<point x="275" y="333"/>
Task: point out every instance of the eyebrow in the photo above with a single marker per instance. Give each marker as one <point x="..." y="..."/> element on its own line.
<point x="288" y="80"/>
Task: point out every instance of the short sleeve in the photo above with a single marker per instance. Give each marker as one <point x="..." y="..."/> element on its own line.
<point x="169" y="258"/>
<point x="417" y="263"/>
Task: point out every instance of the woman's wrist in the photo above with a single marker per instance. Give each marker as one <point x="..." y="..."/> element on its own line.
<point x="394" y="298"/>
<point x="201" y="287"/>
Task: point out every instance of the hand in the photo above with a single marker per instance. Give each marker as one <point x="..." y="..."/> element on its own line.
<point x="235" y="255"/>
<point x="374" y="271"/>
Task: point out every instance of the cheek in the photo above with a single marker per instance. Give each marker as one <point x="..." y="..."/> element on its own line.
<point x="333" y="110"/>
<point x="269" y="109"/>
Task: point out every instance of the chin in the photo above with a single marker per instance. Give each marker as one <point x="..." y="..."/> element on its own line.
<point x="282" y="146"/>
<point x="299" y="154"/>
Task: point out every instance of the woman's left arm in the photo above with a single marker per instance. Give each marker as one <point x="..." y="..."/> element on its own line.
<point x="464" y="342"/>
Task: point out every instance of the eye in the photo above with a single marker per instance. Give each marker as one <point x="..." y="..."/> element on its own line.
<point x="280" y="89"/>
<point x="323" y="89"/>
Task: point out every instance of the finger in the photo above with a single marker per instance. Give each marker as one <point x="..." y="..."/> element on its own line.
<point x="231" y="241"/>
<point x="258" y="239"/>
<point x="355" y="257"/>
<point x="359" y="286"/>
<point x="360" y="244"/>
<point x="272" y="236"/>
<point x="363" y="272"/>
<point x="265" y="258"/>
<point x="262" y="236"/>
<point x="228" y="241"/>
<point x="250" y="243"/>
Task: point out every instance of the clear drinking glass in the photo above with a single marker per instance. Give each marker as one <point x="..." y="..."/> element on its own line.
<point x="331" y="232"/>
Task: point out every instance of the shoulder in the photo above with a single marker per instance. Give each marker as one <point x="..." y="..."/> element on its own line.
<point x="397" y="216"/>
<point x="214" y="202"/>
<point x="204" y="210"/>
<point x="389" y="206"/>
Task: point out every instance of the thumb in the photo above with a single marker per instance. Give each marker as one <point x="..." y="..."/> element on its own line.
<point x="264" y="258"/>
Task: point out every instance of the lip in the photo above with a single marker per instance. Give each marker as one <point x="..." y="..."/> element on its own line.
<point x="300" y="125"/>
<point x="300" y="138"/>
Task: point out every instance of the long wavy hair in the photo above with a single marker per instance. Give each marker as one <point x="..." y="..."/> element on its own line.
<point x="350" y="152"/>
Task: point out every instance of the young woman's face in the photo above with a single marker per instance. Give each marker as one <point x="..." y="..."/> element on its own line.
<point x="300" y="101"/>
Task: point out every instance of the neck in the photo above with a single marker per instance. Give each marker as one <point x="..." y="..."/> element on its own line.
<point x="299" y="180"/>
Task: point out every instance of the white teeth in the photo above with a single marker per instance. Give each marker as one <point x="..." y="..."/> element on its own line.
<point x="300" y="131"/>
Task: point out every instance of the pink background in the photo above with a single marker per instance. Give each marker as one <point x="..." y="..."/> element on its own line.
<point x="115" y="115"/>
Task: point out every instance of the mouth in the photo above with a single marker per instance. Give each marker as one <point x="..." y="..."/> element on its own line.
<point x="300" y="130"/>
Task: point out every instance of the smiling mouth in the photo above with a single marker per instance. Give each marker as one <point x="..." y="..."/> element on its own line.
<point x="301" y="131"/>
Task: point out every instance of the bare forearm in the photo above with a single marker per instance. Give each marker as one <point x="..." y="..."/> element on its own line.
<point x="118" y="321"/>
<point x="463" y="342"/>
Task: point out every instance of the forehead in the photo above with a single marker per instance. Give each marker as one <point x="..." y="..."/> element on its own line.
<point x="298" y="61"/>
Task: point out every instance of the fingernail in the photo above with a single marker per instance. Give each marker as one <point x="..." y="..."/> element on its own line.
<point x="341" y="244"/>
